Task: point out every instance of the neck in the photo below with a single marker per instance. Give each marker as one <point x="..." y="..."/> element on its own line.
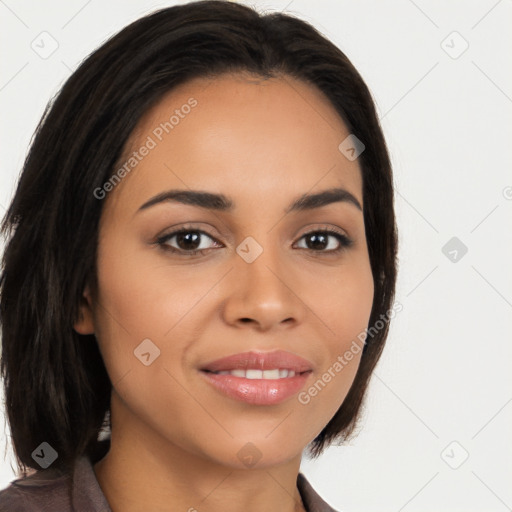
<point x="143" y="471"/>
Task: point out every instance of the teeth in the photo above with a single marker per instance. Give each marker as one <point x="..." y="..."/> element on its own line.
<point x="253" y="374"/>
<point x="259" y="374"/>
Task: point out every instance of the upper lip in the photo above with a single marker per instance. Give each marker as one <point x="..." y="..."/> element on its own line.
<point x="280" y="359"/>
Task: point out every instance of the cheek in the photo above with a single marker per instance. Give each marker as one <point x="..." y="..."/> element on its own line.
<point x="134" y="304"/>
<point x="141" y="293"/>
<point x="144" y="297"/>
<point x="344" y="302"/>
<point x="143" y="331"/>
<point x="344" y="305"/>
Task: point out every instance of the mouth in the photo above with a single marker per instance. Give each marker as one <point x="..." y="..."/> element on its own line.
<point x="254" y="373"/>
<point x="253" y="361"/>
<point x="258" y="378"/>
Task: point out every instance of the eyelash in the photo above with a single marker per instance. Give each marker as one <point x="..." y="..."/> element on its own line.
<point x="344" y="241"/>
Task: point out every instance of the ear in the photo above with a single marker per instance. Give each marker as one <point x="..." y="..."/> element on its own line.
<point x="85" y="323"/>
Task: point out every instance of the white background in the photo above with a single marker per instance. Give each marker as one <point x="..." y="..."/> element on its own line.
<point x="445" y="373"/>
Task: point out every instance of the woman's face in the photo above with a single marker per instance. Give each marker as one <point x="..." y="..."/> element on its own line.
<point x="161" y="315"/>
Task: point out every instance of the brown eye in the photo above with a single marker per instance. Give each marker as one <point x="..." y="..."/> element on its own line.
<point x="187" y="241"/>
<point x="318" y="241"/>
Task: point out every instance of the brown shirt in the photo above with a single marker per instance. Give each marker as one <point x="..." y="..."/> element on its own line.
<point x="52" y="491"/>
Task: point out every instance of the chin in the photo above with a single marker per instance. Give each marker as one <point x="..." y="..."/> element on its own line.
<point x="258" y="451"/>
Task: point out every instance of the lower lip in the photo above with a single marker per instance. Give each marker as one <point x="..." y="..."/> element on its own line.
<point x="257" y="391"/>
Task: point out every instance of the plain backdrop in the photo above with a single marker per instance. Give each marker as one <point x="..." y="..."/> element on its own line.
<point x="436" y="431"/>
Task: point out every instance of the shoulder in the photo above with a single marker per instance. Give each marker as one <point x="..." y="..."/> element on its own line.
<point x="57" y="490"/>
<point x="44" y="491"/>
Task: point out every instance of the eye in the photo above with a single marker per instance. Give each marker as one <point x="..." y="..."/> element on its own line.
<point x="189" y="241"/>
<point x="319" y="240"/>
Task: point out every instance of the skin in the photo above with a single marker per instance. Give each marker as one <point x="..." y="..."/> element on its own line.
<point x="175" y="438"/>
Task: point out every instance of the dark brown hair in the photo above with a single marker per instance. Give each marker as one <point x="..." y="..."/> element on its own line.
<point x="56" y="386"/>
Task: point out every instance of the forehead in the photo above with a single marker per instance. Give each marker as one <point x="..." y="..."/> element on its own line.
<point x="241" y="135"/>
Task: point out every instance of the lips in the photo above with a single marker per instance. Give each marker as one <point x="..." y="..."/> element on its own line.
<point x="258" y="378"/>
<point x="278" y="359"/>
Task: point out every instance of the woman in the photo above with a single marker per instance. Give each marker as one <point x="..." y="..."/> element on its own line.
<point x="200" y="264"/>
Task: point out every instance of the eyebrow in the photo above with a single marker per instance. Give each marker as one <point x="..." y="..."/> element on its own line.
<point x="220" y="202"/>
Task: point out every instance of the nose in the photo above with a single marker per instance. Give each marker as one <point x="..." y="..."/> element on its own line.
<point x="264" y="293"/>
